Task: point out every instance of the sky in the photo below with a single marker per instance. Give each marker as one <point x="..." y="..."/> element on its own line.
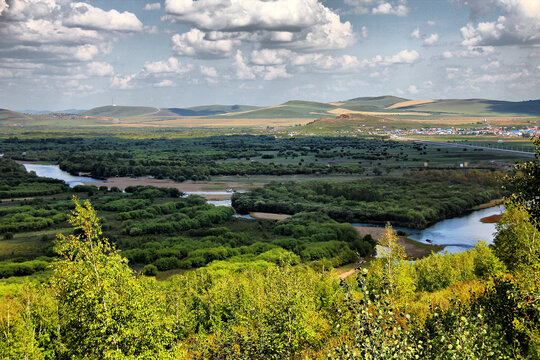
<point x="58" y="54"/>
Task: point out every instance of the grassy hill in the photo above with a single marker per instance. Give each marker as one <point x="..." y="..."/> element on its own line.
<point x="330" y="125"/>
<point x="291" y="109"/>
<point x="8" y="117"/>
<point x="478" y="107"/>
<point x="378" y="103"/>
<point x="208" y="110"/>
<point x="120" y="111"/>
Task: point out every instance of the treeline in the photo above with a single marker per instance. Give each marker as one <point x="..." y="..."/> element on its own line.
<point x="15" y="182"/>
<point x="414" y="200"/>
<point x="201" y="158"/>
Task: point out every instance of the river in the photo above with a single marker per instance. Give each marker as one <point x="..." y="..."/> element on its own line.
<point x="53" y="171"/>
<point x="456" y="234"/>
<point x="461" y="233"/>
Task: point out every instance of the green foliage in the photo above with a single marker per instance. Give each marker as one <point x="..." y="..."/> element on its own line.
<point x="517" y="242"/>
<point x="415" y="200"/>
<point x="15" y="182"/>
<point x="378" y="330"/>
<point x="104" y="310"/>
<point x="525" y="182"/>
<point x="390" y="271"/>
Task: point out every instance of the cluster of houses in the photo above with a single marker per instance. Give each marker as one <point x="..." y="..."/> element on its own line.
<point x="486" y="130"/>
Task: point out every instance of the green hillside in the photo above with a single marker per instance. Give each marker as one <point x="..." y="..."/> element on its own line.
<point x="371" y="103"/>
<point x="290" y="109"/>
<point x="13" y="117"/>
<point x="478" y="107"/>
<point x="326" y="125"/>
<point x="224" y="108"/>
<point x="120" y="111"/>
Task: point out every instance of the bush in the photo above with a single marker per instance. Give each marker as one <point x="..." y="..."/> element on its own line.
<point x="8" y="236"/>
<point x="150" y="270"/>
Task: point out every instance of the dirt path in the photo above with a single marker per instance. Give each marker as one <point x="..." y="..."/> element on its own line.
<point x="346" y="274"/>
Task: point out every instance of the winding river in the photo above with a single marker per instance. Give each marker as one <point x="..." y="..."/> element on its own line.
<point x="456" y="234"/>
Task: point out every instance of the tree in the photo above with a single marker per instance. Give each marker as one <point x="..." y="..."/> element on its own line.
<point x="525" y="183"/>
<point x="390" y="269"/>
<point x="517" y="242"/>
<point x="104" y="310"/>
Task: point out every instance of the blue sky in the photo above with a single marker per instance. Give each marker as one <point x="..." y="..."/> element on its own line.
<point x="58" y="54"/>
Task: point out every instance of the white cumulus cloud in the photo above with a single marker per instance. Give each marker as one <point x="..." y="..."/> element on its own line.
<point x="3" y="6"/>
<point x="195" y="43"/>
<point x="100" y="69"/>
<point x="389" y="9"/>
<point x="152" y="6"/>
<point x="86" y="16"/>
<point x="431" y="40"/>
<point x="295" y="24"/>
<point x="165" y="83"/>
<point x="172" y="65"/>
<point x="519" y="24"/>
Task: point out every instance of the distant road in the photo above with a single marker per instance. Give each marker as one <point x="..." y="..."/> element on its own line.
<point x="504" y="151"/>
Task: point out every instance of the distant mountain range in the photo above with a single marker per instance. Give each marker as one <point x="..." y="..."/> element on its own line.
<point x="381" y="107"/>
<point x="41" y="112"/>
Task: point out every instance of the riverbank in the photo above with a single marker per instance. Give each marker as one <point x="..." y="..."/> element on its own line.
<point x="414" y="249"/>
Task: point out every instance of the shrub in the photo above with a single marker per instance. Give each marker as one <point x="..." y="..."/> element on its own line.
<point x="150" y="270"/>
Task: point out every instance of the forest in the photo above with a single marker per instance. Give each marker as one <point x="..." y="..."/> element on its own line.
<point x="414" y="200"/>
<point x="203" y="158"/>
<point x="158" y="230"/>
<point x="260" y="289"/>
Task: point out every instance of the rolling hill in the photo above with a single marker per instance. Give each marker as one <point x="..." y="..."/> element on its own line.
<point x="120" y="111"/>
<point x="8" y="117"/>
<point x="379" y="103"/>
<point x="325" y="125"/>
<point x="477" y="107"/>
<point x="291" y="109"/>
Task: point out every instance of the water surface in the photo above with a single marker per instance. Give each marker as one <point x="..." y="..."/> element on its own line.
<point x="54" y="171"/>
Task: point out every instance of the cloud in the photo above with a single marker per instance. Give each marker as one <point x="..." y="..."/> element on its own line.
<point x="86" y="16"/>
<point x="519" y="24"/>
<point x="208" y="71"/>
<point x="412" y="89"/>
<point x="379" y="7"/>
<point x="431" y="23"/>
<point x="299" y="62"/>
<point x="172" y="65"/>
<point x="305" y="25"/>
<point x="469" y="52"/>
<point x="195" y="43"/>
<point x="364" y="32"/>
<point x="387" y="8"/>
<point x="3" y="6"/>
<point x="165" y="83"/>
<point x="431" y="40"/>
<point x="152" y="6"/>
<point x="402" y="57"/>
<point x="244" y="71"/>
<point x="270" y="56"/>
<point x="5" y="73"/>
<point x="57" y="35"/>
<point x="100" y="69"/>
<point x="493" y="65"/>
<point x="415" y="33"/>
<point x="123" y="82"/>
